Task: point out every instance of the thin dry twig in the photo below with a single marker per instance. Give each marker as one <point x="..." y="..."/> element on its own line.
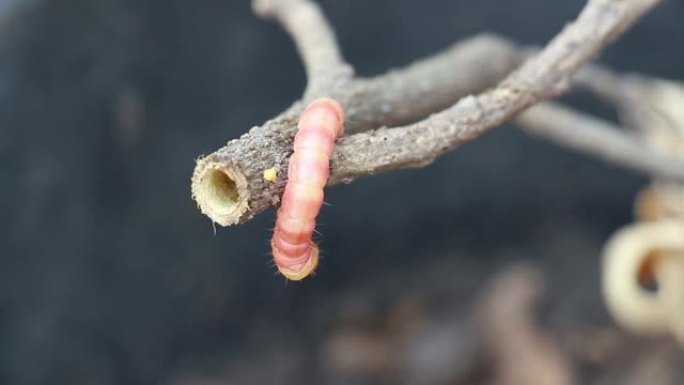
<point x="315" y="40"/>
<point x="602" y="139"/>
<point x="228" y="184"/>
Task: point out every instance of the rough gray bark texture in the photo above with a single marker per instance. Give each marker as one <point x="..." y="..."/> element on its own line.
<point x="404" y="95"/>
<point x="398" y="97"/>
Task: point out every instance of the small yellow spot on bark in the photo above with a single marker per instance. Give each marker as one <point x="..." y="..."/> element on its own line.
<point x="270" y="175"/>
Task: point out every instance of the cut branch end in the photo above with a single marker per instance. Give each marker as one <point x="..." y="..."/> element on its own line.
<point x="221" y="191"/>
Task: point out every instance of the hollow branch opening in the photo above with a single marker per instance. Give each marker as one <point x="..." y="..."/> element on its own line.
<point x="221" y="192"/>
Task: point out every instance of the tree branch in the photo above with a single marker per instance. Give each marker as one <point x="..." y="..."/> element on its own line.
<point x="602" y="139"/>
<point x="541" y="77"/>
<point x="405" y="95"/>
<point x="428" y="85"/>
<point x="315" y="40"/>
<point x="650" y="106"/>
<point x="228" y="185"/>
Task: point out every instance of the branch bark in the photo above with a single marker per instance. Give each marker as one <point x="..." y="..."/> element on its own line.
<point x="541" y="77"/>
<point x="228" y="184"/>
<point x="406" y="95"/>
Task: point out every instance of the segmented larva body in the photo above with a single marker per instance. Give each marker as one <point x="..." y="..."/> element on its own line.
<point x="295" y="255"/>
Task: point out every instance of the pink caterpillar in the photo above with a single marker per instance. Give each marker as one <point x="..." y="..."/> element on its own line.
<point x="293" y="251"/>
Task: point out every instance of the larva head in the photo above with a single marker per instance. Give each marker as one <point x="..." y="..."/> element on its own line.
<point x="300" y="272"/>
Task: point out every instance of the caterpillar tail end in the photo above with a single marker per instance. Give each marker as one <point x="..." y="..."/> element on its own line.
<point x="305" y="270"/>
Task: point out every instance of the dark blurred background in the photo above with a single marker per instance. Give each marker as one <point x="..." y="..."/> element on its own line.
<point x="110" y="275"/>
